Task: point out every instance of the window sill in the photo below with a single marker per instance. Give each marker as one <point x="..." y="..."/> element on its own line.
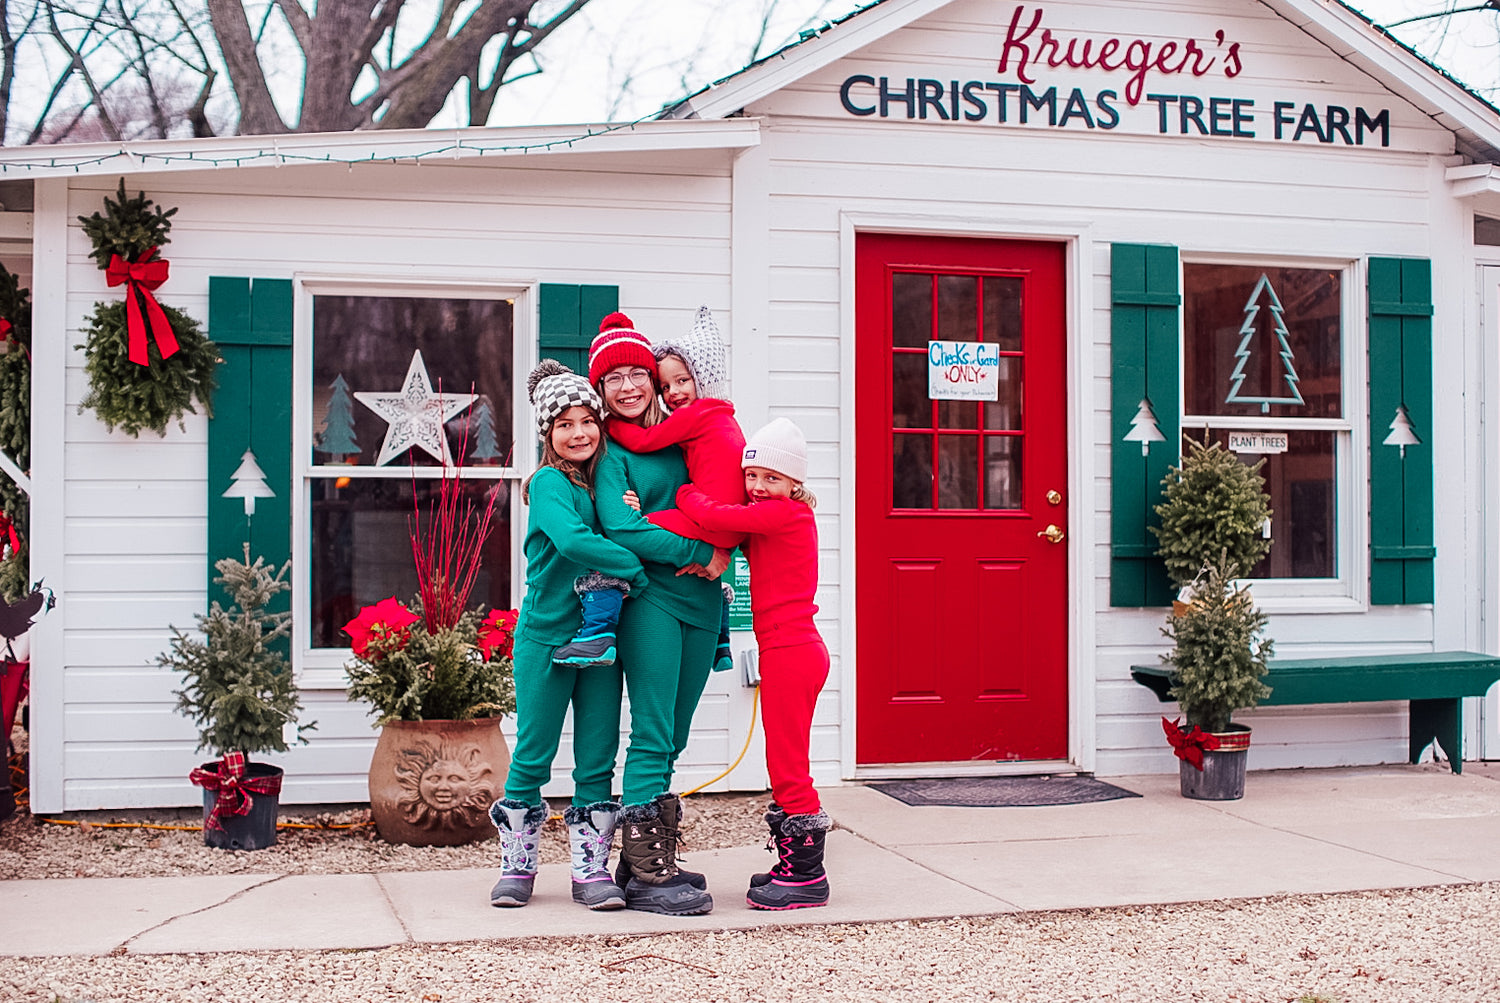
<point x="323" y="677"/>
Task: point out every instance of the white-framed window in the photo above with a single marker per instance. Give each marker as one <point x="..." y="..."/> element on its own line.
<point x="359" y="474"/>
<point x="1272" y="368"/>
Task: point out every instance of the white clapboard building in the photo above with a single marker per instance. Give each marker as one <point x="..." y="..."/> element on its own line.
<point x="993" y="257"/>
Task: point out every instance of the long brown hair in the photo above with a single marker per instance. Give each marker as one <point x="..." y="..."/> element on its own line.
<point x="583" y="476"/>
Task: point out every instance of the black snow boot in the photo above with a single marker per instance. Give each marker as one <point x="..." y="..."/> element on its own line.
<point x="648" y="847"/>
<point x="797" y="881"/>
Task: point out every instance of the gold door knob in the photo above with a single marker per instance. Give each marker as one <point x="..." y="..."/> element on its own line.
<point x="1053" y="533"/>
<point x="1054" y="498"/>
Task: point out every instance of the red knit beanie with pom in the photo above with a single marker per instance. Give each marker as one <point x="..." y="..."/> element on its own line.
<point x="619" y="344"/>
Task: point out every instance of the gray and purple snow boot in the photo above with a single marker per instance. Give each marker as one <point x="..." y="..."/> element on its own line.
<point x="520" y="827"/>
<point x="591" y="834"/>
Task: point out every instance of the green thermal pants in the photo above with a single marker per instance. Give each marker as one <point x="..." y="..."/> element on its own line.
<point x="543" y="692"/>
<point x="667" y="663"/>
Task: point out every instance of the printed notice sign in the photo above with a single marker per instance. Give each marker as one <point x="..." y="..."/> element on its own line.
<point x="963" y="371"/>
<point x="1257" y="442"/>
<point x="739" y="579"/>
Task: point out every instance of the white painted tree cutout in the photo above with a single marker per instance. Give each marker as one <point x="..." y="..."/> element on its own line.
<point x="1244" y="352"/>
<point x="1402" y="432"/>
<point x="249" y="483"/>
<point x="1144" y="428"/>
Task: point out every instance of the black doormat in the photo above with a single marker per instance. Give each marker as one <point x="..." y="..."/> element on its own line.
<point x="1003" y="792"/>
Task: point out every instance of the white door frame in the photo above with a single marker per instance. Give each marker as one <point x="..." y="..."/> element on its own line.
<point x="1487" y="728"/>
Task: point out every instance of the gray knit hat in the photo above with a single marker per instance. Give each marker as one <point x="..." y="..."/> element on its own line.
<point x="553" y="388"/>
<point x="702" y="350"/>
<point x="781" y="447"/>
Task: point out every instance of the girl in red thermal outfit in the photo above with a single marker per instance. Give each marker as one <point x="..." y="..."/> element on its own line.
<point x="782" y="547"/>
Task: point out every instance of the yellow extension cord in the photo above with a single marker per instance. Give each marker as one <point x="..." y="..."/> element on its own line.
<point x="754" y="707"/>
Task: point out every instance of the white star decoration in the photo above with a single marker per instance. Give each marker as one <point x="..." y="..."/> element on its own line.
<point x="416" y="415"/>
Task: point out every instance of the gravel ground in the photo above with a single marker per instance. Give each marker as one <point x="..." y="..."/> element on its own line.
<point x="1435" y="944"/>
<point x="33" y="848"/>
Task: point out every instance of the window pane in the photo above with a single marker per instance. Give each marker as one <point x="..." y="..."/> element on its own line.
<point x="1002" y="471"/>
<point x="361" y="547"/>
<point x="910" y="406"/>
<point x="911" y="310"/>
<point x="1256" y="338"/>
<point x="958" y="308"/>
<point x="958" y="414"/>
<point x="366" y="344"/>
<point x="911" y="471"/>
<point x="1005" y="413"/>
<point x="1002" y="312"/>
<point x="1303" y="500"/>
<point x="958" y="471"/>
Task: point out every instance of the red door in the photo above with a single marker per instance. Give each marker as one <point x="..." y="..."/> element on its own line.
<point x="961" y="504"/>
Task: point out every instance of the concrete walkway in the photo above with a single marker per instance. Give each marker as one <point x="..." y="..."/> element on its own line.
<point x="1295" y="831"/>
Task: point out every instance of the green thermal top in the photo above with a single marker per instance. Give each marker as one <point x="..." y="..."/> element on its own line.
<point x="655" y="478"/>
<point x="563" y="542"/>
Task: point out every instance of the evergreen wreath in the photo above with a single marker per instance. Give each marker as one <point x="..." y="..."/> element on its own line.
<point x="122" y="393"/>
<point x="15" y="429"/>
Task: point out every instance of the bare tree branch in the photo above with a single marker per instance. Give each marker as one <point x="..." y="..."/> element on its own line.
<point x="258" y="114"/>
<point x="80" y="68"/>
<point x="482" y="95"/>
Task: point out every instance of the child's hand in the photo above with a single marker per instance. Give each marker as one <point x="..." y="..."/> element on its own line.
<point x="692" y="569"/>
<point x="717" y="566"/>
<point x="633" y="500"/>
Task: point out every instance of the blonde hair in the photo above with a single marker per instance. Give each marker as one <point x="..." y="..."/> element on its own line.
<point x="801" y="493"/>
<point x="583" y="476"/>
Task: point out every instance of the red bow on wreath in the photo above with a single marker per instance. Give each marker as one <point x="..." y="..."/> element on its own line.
<point x="140" y="277"/>
<point x="1189" y="745"/>
<point x="8" y="535"/>
<point x="233" y="787"/>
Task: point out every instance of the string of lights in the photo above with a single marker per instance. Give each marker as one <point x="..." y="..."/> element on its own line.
<point x="271" y="153"/>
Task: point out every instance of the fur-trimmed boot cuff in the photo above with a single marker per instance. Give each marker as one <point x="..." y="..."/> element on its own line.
<point x="535" y="814"/>
<point x="595" y="582"/>
<point x="802" y="825"/>
<point x="573" y="814"/>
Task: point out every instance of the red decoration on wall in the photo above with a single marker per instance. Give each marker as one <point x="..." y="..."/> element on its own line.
<point x="139" y="279"/>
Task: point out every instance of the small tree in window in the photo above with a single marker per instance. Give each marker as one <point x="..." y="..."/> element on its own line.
<point x="486" y="447"/>
<point x="337" y="437"/>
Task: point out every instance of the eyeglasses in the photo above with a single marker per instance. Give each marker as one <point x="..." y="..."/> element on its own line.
<point x="639" y="377"/>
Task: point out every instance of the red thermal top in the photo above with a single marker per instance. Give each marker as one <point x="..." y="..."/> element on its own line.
<point x="711" y="442"/>
<point x="782" y="548"/>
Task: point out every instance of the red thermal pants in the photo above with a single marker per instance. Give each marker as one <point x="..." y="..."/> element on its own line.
<point x="790" y="678"/>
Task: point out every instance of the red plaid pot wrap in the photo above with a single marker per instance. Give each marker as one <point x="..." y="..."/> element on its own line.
<point x="232" y="787"/>
<point x="140" y="277"/>
<point x="1189" y="745"/>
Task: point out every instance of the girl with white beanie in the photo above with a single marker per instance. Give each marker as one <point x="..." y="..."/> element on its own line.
<point x="782" y="547"/>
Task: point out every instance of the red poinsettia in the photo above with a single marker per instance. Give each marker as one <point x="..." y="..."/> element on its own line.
<point x="498" y="633"/>
<point x="386" y="619"/>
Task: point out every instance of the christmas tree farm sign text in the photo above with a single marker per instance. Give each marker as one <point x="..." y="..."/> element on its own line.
<point x="1147" y="99"/>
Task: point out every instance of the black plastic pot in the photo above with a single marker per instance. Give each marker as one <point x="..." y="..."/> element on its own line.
<point x="254" y="831"/>
<point x="1223" y="775"/>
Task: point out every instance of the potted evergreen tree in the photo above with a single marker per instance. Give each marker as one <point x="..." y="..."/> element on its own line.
<point x="238" y="689"/>
<point x="1212" y="532"/>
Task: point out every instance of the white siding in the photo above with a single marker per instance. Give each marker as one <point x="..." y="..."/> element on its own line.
<point x="1256" y="197"/>
<point x="135" y="509"/>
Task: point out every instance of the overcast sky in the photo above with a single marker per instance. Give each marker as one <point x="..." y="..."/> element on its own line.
<point x="622" y="59"/>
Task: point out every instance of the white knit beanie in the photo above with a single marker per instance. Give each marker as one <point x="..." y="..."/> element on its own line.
<point x="702" y="351"/>
<point x="781" y="447"/>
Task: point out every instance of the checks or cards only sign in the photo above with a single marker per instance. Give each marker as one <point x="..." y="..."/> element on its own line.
<point x="963" y="371"/>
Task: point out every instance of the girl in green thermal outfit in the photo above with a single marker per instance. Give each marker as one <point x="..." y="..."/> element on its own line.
<point x="667" y="631"/>
<point x="563" y="543"/>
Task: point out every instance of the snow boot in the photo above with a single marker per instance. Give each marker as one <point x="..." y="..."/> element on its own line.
<point x="594" y="644"/>
<point x="797" y="880"/>
<point x="648" y="847"/>
<point x="723" y="654"/>
<point x="520" y="826"/>
<point x="591" y="833"/>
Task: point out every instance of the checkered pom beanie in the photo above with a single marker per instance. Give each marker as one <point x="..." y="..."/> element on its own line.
<point x="702" y="350"/>
<point x="553" y="388"/>
<point x="781" y="447"/>
<point x="619" y="344"/>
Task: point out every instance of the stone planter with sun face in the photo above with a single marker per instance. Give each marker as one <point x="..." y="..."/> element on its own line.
<point x="432" y="782"/>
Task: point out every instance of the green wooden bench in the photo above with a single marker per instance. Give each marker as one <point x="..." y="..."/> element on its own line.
<point x="1435" y="683"/>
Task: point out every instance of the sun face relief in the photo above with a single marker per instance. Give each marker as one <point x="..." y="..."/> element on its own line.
<point x="444" y="786"/>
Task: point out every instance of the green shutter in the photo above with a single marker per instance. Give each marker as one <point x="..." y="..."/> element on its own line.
<point x="1144" y="324"/>
<point x="251" y="323"/>
<point x="568" y="318"/>
<point x="1401" y="547"/>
